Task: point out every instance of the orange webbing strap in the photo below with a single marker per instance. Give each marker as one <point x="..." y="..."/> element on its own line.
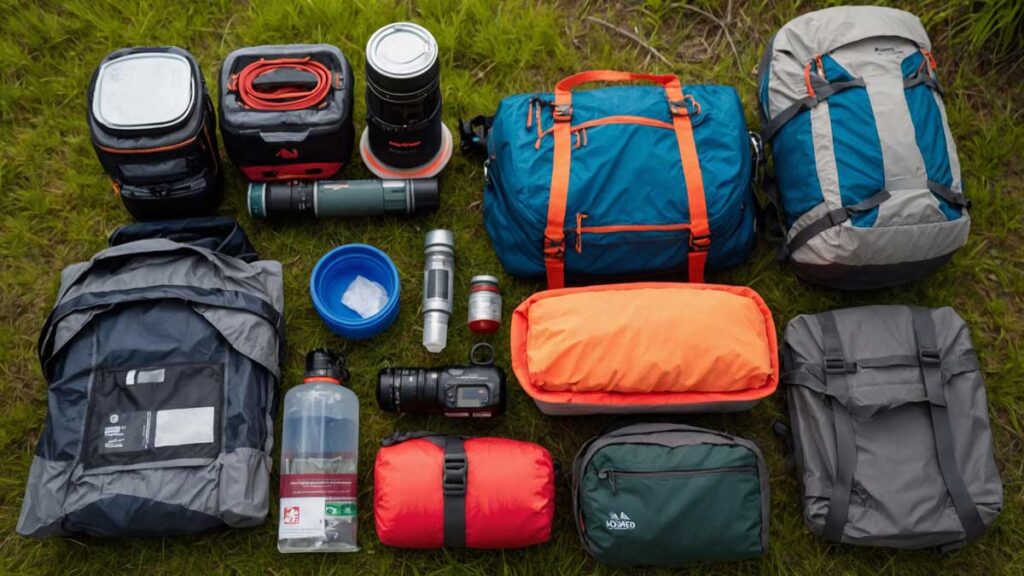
<point x="554" y="232"/>
<point x="700" y="232"/>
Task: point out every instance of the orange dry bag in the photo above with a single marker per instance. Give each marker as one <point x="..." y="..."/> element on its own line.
<point x="646" y="347"/>
<point x="432" y="490"/>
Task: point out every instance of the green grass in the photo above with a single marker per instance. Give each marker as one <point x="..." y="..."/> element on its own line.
<point x="56" y="208"/>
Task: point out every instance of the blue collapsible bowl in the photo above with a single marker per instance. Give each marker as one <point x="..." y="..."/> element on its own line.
<point x="332" y="276"/>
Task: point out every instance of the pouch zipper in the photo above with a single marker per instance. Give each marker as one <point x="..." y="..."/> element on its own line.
<point x="611" y="474"/>
<point x="619" y="228"/>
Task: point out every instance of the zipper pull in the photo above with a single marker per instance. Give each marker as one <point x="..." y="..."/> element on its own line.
<point x="609" y="474"/>
<point x="579" y="231"/>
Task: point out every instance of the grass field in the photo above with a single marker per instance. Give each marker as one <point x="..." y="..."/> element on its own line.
<point x="56" y="208"/>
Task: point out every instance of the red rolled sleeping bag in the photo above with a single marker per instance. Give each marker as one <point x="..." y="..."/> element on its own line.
<point x="433" y="491"/>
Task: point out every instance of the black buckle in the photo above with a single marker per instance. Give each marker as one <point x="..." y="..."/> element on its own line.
<point x="835" y="365"/>
<point x="562" y="112"/>
<point x="929" y="357"/>
<point x="700" y="243"/>
<point x="453" y="483"/>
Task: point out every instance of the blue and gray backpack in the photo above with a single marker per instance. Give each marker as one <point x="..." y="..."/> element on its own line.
<point x="868" y="180"/>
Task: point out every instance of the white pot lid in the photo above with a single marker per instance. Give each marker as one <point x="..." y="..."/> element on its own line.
<point x="143" y="91"/>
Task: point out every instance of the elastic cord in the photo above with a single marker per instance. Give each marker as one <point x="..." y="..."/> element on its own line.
<point x="285" y="98"/>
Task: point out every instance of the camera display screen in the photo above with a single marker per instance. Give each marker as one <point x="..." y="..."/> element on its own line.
<point x="472" y="397"/>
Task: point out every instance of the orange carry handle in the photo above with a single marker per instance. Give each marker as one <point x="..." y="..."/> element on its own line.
<point x="554" y="231"/>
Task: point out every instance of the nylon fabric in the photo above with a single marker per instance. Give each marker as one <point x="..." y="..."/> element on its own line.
<point x="670" y="495"/>
<point x="509" y="499"/>
<point x="890" y="133"/>
<point x="567" y="347"/>
<point x="612" y="185"/>
<point x="899" y="497"/>
<point x="113" y="317"/>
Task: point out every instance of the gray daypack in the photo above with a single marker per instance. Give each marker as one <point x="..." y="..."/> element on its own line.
<point x="890" y="427"/>
<point x="867" y="179"/>
<point x="162" y="358"/>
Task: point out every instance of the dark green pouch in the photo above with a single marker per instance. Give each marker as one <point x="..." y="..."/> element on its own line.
<point x="669" y="495"/>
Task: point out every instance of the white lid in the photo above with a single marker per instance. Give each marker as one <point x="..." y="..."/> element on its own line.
<point x="143" y="91"/>
<point x="401" y="50"/>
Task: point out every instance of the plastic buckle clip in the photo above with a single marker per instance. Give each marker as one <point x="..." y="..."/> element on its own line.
<point x="835" y="365"/>
<point x="679" y="107"/>
<point x="929" y="357"/>
<point x="453" y="483"/>
<point x="554" y="249"/>
<point x="700" y="243"/>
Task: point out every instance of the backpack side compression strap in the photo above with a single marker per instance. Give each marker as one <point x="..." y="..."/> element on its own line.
<point x="931" y="364"/>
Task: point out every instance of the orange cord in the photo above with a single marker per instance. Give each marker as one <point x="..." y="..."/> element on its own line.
<point x="285" y="98"/>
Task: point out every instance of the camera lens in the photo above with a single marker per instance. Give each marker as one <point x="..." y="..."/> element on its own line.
<point x="408" y="390"/>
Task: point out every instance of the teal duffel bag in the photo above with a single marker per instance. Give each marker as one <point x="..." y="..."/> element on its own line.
<point x="670" y="495"/>
<point x="620" y="181"/>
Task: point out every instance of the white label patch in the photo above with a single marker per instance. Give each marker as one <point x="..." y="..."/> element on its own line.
<point x="619" y="522"/>
<point x="302" y="518"/>
<point x="184" y="426"/>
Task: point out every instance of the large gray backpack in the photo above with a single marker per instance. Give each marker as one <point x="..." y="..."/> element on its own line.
<point x="867" y="178"/>
<point x="890" y="427"/>
<point x="162" y="360"/>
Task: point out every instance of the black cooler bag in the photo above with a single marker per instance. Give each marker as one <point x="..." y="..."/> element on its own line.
<point x="286" y="111"/>
<point x="152" y="126"/>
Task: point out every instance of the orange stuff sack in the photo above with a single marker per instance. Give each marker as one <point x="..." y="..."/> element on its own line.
<point x="644" y="348"/>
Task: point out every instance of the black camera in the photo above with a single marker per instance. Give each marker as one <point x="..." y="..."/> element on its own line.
<point x="476" y="390"/>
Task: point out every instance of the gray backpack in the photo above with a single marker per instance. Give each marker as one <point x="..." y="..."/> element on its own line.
<point x="867" y="178"/>
<point x="162" y="360"/>
<point x="890" y="427"/>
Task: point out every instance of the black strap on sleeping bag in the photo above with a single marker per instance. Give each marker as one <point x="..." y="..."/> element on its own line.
<point x="931" y="362"/>
<point x="836" y="368"/>
<point x="454" y="485"/>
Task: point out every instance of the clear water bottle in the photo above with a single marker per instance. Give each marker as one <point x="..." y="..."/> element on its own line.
<point x="319" y="452"/>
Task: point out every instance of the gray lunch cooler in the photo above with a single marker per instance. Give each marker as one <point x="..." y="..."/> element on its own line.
<point x="890" y="427"/>
<point x="162" y="359"/>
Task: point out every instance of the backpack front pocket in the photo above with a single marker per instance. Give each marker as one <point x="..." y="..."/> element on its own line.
<point x="147" y="415"/>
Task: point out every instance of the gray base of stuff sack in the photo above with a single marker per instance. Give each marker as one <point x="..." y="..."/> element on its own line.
<point x="890" y="427"/>
<point x="670" y="495"/>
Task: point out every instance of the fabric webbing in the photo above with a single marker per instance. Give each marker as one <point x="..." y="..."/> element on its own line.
<point x="453" y="483"/>
<point x="930" y="360"/>
<point x="954" y="198"/>
<point x="922" y="76"/>
<point x="822" y="92"/>
<point x="836" y="368"/>
<point x="835" y="218"/>
<point x="554" y="231"/>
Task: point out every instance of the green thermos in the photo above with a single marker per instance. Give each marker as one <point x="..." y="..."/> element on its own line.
<point x="327" y="198"/>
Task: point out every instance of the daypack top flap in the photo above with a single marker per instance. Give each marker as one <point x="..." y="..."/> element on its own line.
<point x="157" y="266"/>
<point x="825" y="30"/>
<point x="818" y="33"/>
<point x="880" y="349"/>
<point x="217" y="233"/>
